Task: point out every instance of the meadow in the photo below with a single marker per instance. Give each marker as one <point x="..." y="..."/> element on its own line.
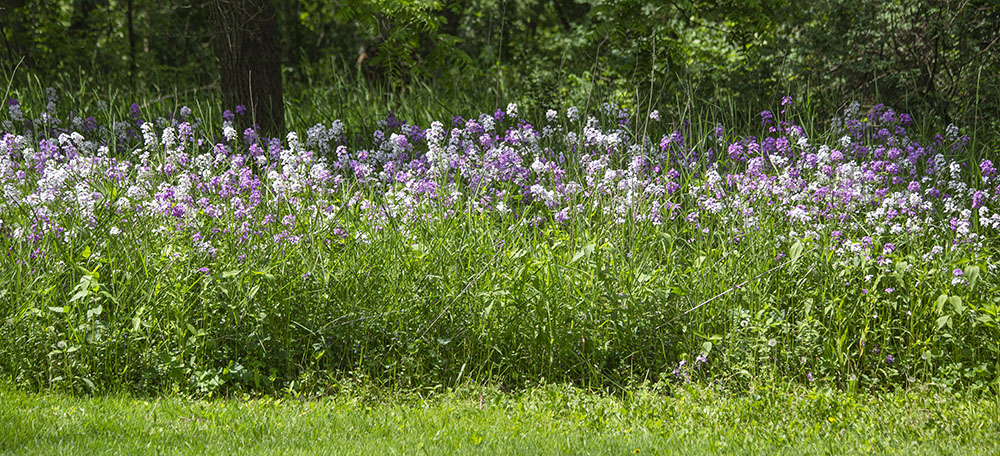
<point x="168" y="248"/>
<point x="499" y="227"/>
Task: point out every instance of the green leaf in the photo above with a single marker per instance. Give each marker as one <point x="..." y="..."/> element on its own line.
<point x="956" y="302"/>
<point x="586" y="250"/>
<point x="86" y="253"/>
<point x="706" y="348"/>
<point x="796" y="251"/>
<point x="60" y="309"/>
<point x="939" y="304"/>
<point x="972" y="273"/>
<point x="943" y="320"/>
<point x="95" y="311"/>
<point x="80" y="294"/>
<point x="109" y="296"/>
<point x="253" y="292"/>
<point x="228" y="274"/>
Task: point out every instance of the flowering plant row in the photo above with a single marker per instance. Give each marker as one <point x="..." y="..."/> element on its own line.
<point x="873" y="217"/>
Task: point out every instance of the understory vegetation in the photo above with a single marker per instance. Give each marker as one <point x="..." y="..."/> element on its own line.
<point x="164" y="247"/>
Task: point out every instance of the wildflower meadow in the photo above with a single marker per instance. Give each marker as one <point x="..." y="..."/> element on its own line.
<point x="499" y="227"/>
<point x="171" y="253"/>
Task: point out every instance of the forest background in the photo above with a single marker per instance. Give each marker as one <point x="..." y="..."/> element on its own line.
<point x="937" y="59"/>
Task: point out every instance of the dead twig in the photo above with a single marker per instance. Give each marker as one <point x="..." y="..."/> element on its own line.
<point x="734" y="287"/>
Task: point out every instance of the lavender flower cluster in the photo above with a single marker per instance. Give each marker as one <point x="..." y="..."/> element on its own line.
<point x="867" y="185"/>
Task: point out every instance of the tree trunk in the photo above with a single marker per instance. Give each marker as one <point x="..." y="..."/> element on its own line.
<point x="248" y="48"/>
<point x="131" y="41"/>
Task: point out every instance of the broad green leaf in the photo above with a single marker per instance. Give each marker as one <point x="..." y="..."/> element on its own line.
<point x="943" y="320"/>
<point x="584" y="251"/>
<point x="939" y="304"/>
<point x="956" y="303"/>
<point x="796" y="251"/>
<point x="80" y="294"/>
<point x="972" y="273"/>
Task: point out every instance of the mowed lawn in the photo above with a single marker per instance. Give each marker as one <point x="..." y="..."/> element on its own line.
<point x="545" y="420"/>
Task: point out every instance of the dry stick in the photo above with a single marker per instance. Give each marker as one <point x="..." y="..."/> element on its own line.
<point x="11" y="81"/>
<point x="649" y="101"/>
<point x="593" y="69"/>
<point x="253" y="108"/>
<point x="713" y="298"/>
<point x="471" y="282"/>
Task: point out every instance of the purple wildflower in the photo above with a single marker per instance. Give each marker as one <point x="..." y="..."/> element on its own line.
<point x="978" y="199"/>
<point x="766" y="118"/>
<point x="986" y="168"/>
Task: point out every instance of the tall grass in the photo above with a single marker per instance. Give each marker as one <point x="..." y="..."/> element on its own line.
<point x="377" y="281"/>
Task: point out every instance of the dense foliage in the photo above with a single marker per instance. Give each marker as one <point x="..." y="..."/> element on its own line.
<point x="601" y="248"/>
<point x="940" y="58"/>
<point x="627" y="214"/>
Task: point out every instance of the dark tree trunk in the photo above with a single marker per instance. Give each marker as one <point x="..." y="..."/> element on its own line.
<point x="131" y="41"/>
<point x="248" y="48"/>
<point x="81" y="23"/>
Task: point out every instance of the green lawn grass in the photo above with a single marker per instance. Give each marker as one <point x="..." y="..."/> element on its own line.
<point x="543" y="420"/>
